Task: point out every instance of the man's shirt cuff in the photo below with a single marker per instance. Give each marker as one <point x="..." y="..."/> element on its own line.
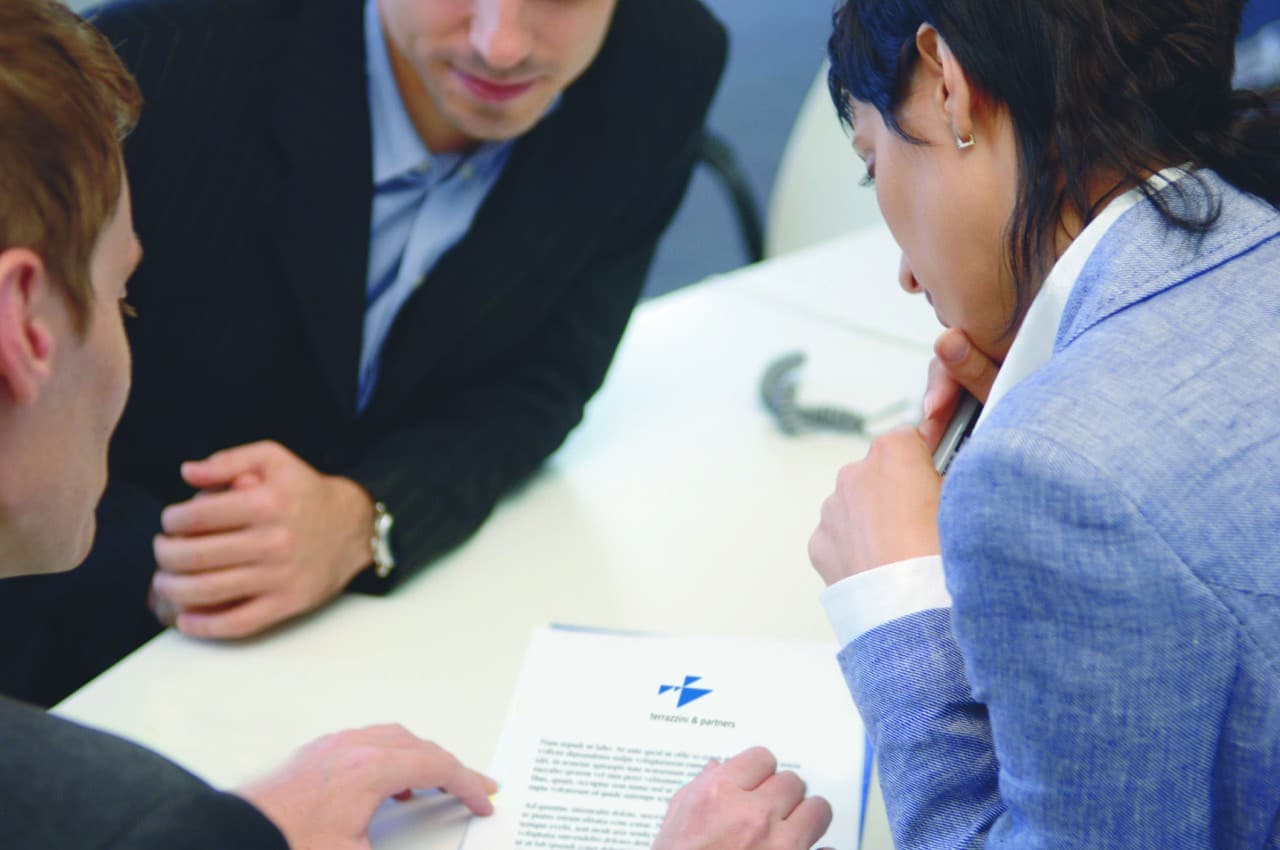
<point x="860" y="603"/>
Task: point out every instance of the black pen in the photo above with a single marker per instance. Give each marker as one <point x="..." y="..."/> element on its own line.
<point x="958" y="430"/>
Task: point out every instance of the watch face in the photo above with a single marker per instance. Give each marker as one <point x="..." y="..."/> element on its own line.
<point x="383" y="559"/>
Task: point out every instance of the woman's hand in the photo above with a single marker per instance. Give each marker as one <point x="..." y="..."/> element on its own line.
<point x="884" y="509"/>
<point x="957" y="364"/>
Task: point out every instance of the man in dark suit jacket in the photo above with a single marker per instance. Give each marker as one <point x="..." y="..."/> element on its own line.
<point x="258" y="186"/>
<point x="65" y="100"/>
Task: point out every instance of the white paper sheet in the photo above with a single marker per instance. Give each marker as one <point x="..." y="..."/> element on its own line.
<point x="605" y="727"/>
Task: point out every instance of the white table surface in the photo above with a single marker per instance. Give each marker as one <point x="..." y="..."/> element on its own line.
<point x="676" y="507"/>
<point x="851" y="281"/>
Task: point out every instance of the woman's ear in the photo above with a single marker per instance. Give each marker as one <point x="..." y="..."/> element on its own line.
<point x="26" y="336"/>
<point x="952" y="92"/>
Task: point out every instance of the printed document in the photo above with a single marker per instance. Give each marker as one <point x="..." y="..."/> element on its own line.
<point x="605" y="727"/>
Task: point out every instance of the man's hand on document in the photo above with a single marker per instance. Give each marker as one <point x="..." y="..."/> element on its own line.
<point x="744" y="804"/>
<point x="327" y="794"/>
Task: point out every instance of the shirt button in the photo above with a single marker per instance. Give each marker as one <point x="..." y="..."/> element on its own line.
<point x="468" y="171"/>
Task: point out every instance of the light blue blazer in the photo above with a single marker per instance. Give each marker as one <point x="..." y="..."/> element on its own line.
<point x="1109" y="675"/>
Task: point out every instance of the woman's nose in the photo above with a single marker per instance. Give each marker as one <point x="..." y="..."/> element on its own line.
<point x="906" y="278"/>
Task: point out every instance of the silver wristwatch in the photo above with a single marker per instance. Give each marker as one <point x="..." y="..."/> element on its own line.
<point x="384" y="561"/>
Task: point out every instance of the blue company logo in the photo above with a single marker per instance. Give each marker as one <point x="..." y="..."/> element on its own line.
<point x="687" y="694"/>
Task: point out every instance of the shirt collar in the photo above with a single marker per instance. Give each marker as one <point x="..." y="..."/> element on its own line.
<point x="397" y="147"/>
<point x="1033" y="346"/>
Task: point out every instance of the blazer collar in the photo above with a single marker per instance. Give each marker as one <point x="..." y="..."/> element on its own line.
<point x="1142" y="255"/>
<point x="320" y="214"/>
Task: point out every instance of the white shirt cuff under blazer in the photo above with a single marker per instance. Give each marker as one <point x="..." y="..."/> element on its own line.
<point x="860" y="603"/>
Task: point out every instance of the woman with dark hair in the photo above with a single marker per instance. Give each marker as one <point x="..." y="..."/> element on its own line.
<point x="1091" y="210"/>
<point x="1087" y="203"/>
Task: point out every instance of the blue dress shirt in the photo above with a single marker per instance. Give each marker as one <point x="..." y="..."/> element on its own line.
<point x="423" y="203"/>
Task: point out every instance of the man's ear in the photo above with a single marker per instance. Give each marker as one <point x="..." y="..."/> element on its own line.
<point x="953" y="94"/>
<point x="26" y="337"/>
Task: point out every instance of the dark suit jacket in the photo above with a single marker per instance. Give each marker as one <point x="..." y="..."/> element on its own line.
<point x="65" y="787"/>
<point x="251" y="173"/>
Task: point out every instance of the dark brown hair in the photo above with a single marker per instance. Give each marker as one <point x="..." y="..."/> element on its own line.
<point x="66" y="103"/>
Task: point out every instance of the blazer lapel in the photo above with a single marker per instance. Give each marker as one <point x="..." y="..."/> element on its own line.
<point x="320" y="119"/>
<point x="1142" y="255"/>
<point x="521" y="221"/>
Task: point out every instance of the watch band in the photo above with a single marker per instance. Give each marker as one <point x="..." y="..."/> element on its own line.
<point x="384" y="560"/>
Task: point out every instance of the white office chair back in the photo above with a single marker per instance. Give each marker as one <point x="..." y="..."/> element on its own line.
<point x="816" y="195"/>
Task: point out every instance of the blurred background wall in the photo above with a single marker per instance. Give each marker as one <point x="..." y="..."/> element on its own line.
<point x="775" y="50"/>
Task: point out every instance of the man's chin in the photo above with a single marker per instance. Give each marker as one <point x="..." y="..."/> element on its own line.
<point x="494" y="123"/>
